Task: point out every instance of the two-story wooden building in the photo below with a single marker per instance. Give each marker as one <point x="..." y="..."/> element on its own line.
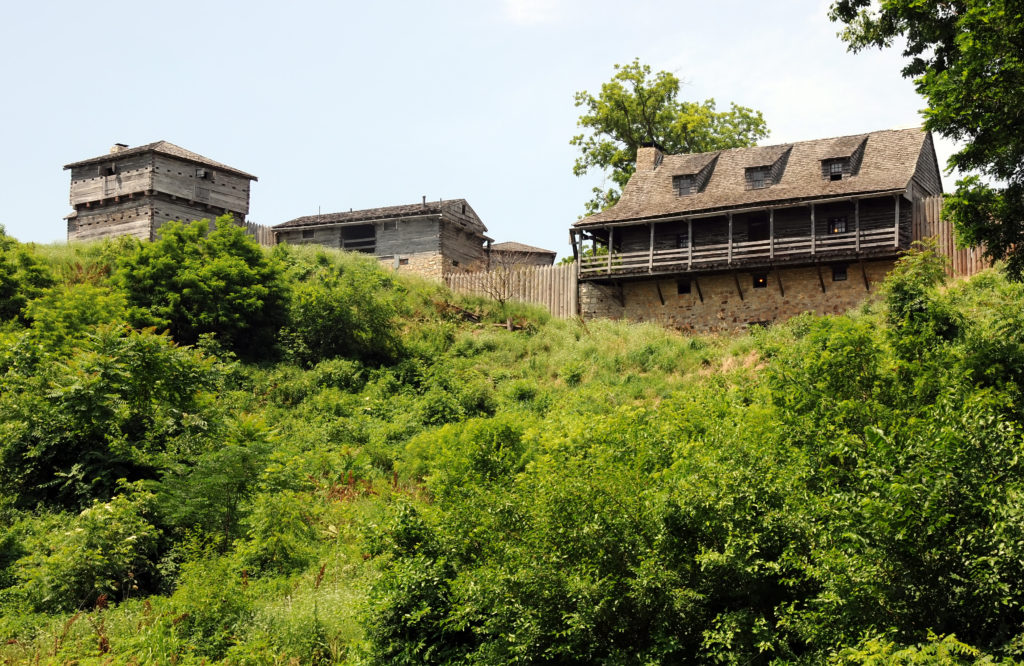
<point x="431" y="238"/>
<point x="132" y="191"/>
<point x="751" y="235"/>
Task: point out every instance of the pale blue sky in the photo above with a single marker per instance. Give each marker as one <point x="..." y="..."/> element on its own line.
<point x="338" y="105"/>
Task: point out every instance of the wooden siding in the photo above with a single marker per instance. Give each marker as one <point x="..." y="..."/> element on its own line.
<point x="223" y="190"/>
<point x="132" y="217"/>
<point x="165" y="210"/>
<point x="462" y="250"/>
<point x="554" y="287"/>
<point x="927" y="173"/>
<point x="408" y="236"/>
<point x="928" y="223"/>
<point x="131" y="175"/>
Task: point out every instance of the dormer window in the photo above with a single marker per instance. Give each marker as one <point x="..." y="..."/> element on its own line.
<point x="759" y="178"/>
<point x="684" y="185"/>
<point x="836" y="169"/>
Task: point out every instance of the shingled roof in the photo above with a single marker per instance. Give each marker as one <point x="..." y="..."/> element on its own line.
<point x="889" y="161"/>
<point x="164" y="148"/>
<point x="450" y="209"/>
<point x="512" y="246"/>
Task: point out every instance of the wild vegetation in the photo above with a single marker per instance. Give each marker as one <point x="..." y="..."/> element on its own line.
<point x="295" y="456"/>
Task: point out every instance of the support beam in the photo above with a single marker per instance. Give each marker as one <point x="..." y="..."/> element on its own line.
<point x="661" y="297"/>
<point x="864" y="273"/>
<point x="650" y="258"/>
<point x="821" y="280"/>
<point x="771" y="233"/>
<point x="736" y="277"/>
<point x="611" y="244"/>
<point x="689" y="245"/>
<point x="896" y="226"/>
<point x="622" y="296"/>
<point x="856" y="221"/>
<point x="730" y="247"/>
<point x="812" y="232"/>
<point x="778" y="277"/>
<point x="700" y="293"/>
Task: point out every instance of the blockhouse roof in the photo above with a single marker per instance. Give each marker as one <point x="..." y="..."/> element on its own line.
<point x="164" y="148"/>
<point x="449" y="209"/>
<point x="889" y="161"/>
<point x="512" y="246"/>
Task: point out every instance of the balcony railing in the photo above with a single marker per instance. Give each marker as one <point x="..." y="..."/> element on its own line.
<point x="742" y="252"/>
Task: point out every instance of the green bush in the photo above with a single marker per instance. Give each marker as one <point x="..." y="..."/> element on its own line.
<point x="192" y="281"/>
<point x="107" y="550"/>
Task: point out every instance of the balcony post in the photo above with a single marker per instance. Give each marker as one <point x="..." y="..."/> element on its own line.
<point x="812" y="228"/>
<point x="896" y="226"/>
<point x="730" y="238"/>
<point x="689" y="245"/>
<point x="650" y="256"/>
<point x="611" y="244"/>
<point x="856" y="222"/>
<point x="771" y="233"/>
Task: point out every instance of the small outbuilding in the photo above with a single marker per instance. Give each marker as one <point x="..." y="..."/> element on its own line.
<point x="430" y="238"/>
<point x="510" y="253"/>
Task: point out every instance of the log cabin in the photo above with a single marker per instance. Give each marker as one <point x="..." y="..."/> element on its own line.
<point x="511" y="254"/>
<point x="732" y="238"/>
<point x="133" y="191"/>
<point x="432" y="238"/>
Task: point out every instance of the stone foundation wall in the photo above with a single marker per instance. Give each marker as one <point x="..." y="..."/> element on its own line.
<point x="427" y="264"/>
<point x="723" y="307"/>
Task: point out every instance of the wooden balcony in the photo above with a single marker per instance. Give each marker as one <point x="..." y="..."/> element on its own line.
<point x="735" y="254"/>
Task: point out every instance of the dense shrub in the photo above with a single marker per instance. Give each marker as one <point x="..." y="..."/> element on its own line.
<point x="194" y="280"/>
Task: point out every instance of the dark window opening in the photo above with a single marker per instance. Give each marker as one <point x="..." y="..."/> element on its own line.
<point x="463" y="209"/>
<point x="760" y="280"/>
<point x="109" y="170"/>
<point x="757" y="228"/>
<point x="308" y="233"/>
<point x="839" y="273"/>
<point x="454" y="262"/>
<point x="682" y="241"/>
<point x="403" y="261"/>
<point x="204" y="174"/>
<point x="837" y="225"/>
<point x="684" y="185"/>
<point x="682" y="286"/>
<point x="359" y="238"/>
<point x="835" y="171"/>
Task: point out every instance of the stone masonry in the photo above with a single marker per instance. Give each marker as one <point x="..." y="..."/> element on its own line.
<point x="716" y="303"/>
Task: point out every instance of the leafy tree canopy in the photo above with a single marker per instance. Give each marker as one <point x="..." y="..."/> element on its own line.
<point x="966" y="60"/>
<point x="638" y="107"/>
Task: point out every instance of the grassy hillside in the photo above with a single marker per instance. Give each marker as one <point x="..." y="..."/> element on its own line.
<point x="213" y="453"/>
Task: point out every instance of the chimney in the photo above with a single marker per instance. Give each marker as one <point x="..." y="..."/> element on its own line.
<point x="118" y="147"/>
<point x="424" y="200"/>
<point x="648" y="156"/>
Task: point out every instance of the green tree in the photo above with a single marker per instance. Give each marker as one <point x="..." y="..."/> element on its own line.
<point x="194" y="281"/>
<point x="638" y="107"/>
<point x="22" y="277"/>
<point x="965" y="58"/>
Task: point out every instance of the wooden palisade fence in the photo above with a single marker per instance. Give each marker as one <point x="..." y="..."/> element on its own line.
<point x="263" y="234"/>
<point x="551" y="286"/>
<point x="928" y="222"/>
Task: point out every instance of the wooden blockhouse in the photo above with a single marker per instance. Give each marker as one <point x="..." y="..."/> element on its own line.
<point x="133" y="191"/>
<point x="432" y="238"/>
<point x="751" y="235"/>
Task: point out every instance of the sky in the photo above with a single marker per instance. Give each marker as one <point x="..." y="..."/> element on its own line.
<point x="339" y="105"/>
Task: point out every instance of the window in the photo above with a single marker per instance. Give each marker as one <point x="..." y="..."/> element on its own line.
<point x="308" y="233"/>
<point x="684" y="185"/>
<point x="837" y="225"/>
<point x="835" y="171"/>
<point x="760" y="280"/>
<point x="403" y="261"/>
<point x="836" y="168"/>
<point x="205" y="174"/>
<point x="682" y="286"/>
<point x="839" y="273"/>
<point x="759" y="177"/>
<point x="108" y="170"/>
<point x="682" y="241"/>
